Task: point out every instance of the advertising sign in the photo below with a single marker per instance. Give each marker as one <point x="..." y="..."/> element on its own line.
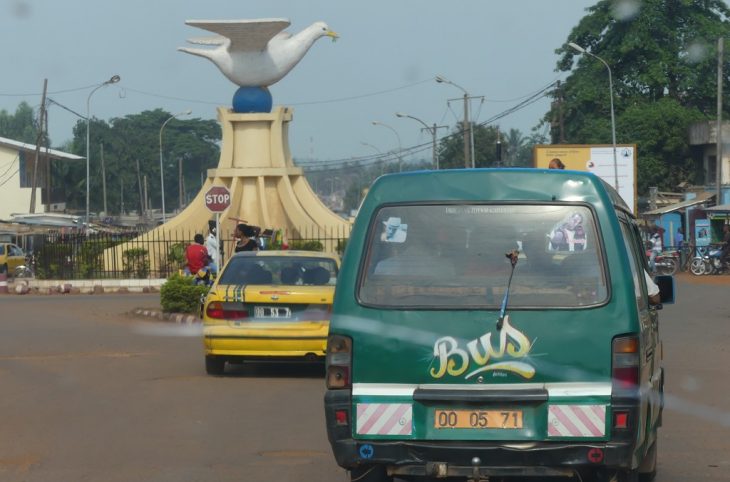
<point x="597" y="159"/>
<point x="702" y="232"/>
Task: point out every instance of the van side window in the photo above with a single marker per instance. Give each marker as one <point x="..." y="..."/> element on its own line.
<point x="637" y="267"/>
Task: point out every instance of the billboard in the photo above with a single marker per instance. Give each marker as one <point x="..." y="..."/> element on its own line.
<point x="597" y="159"/>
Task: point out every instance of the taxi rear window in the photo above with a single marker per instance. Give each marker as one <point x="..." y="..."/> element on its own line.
<point x="454" y="256"/>
<point x="279" y="270"/>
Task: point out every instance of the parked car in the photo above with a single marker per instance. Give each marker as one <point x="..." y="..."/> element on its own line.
<point x="271" y="305"/>
<point x="495" y="323"/>
<point x="11" y="257"/>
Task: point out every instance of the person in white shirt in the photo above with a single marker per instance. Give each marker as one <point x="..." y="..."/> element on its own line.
<point x="211" y="244"/>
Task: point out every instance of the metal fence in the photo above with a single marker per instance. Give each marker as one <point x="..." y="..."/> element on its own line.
<point x="142" y="254"/>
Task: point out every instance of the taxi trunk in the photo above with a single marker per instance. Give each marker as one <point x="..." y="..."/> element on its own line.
<point x="267" y="321"/>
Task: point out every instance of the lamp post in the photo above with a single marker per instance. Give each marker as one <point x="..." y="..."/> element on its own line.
<point x="113" y="80"/>
<point x="580" y="49"/>
<point x="400" y="148"/>
<point x="162" y="171"/>
<point x="380" y="160"/>
<point x="431" y="130"/>
<point x="468" y="136"/>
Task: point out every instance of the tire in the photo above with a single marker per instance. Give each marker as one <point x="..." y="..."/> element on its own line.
<point x="647" y="469"/>
<point x="698" y="266"/>
<point x="370" y="473"/>
<point x="215" y="365"/>
<point x="4" y="269"/>
<point x="669" y="267"/>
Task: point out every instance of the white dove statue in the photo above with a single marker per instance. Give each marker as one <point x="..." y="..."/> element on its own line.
<point x="255" y="53"/>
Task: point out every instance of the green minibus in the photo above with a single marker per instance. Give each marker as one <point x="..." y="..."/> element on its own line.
<point x="495" y="323"/>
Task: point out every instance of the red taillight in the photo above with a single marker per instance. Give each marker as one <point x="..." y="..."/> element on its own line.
<point x="625" y="372"/>
<point x="621" y="420"/>
<point x="339" y="362"/>
<point x="341" y="417"/>
<point x="217" y="311"/>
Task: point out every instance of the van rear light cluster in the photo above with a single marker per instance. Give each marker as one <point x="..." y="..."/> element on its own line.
<point x="625" y="363"/>
<point x="218" y="311"/>
<point x="339" y="362"/>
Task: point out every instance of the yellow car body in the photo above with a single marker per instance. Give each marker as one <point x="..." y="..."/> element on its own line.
<point x="11" y="256"/>
<point x="269" y="305"/>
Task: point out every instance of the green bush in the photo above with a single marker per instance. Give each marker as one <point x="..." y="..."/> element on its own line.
<point x="307" y="245"/>
<point x="180" y="295"/>
<point x="135" y="262"/>
<point x="341" y="245"/>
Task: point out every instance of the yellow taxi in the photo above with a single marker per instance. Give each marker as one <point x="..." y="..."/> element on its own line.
<point x="11" y="256"/>
<point x="271" y="305"/>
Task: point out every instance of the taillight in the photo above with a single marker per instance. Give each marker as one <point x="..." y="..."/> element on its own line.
<point x="625" y="367"/>
<point x="217" y="311"/>
<point x="339" y="362"/>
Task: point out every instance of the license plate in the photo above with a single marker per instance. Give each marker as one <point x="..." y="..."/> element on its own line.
<point x="478" y="419"/>
<point x="272" y="312"/>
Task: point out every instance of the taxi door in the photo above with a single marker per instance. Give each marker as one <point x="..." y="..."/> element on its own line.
<point x="15" y="257"/>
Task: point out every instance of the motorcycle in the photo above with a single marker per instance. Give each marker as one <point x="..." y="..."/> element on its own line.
<point x="666" y="263"/>
<point x="709" y="263"/>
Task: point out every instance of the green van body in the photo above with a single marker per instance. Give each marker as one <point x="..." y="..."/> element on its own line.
<point x="446" y="391"/>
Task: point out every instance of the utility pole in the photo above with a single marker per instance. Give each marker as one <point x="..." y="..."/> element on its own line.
<point x="718" y="137"/>
<point x="48" y="169"/>
<point x="180" y="182"/>
<point x="39" y="140"/>
<point x="141" y="194"/>
<point x="121" y="196"/>
<point x="499" y="148"/>
<point x="103" y="178"/>
<point x="467" y="130"/>
<point x="146" y="200"/>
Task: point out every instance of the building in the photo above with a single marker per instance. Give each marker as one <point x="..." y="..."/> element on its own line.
<point x="17" y="161"/>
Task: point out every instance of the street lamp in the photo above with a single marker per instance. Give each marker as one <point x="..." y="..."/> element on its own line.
<point x="113" y="80"/>
<point x="162" y="171"/>
<point x="431" y="130"/>
<point x="468" y="141"/>
<point x="610" y="91"/>
<point x="380" y="154"/>
<point x="400" y="148"/>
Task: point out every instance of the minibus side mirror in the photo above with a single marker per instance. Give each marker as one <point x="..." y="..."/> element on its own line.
<point x="666" y="288"/>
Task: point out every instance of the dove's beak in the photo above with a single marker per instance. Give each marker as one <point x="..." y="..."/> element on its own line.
<point x="332" y="34"/>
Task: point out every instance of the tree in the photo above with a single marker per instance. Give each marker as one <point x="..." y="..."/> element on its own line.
<point x="663" y="64"/>
<point x="451" y="148"/>
<point x="21" y="126"/>
<point x="135" y="138"/>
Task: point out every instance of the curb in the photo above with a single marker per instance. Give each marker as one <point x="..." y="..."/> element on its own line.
<point x="180" y="318"/>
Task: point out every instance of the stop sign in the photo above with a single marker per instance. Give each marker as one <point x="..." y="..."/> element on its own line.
<point x="217" y="199"/>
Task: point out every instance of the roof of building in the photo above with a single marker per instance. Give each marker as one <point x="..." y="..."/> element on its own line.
<point x="4" y="141"/>
<point x="702" y="197"/>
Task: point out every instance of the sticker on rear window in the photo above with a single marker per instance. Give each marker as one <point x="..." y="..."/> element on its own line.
<point x="394" y="231"/>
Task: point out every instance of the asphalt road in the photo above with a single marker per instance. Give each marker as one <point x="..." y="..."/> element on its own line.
<point x="90" y="394"/>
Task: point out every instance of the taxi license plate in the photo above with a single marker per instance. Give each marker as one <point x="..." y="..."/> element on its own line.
<point x="272" y="312"/>
<point x="478" y="419"/>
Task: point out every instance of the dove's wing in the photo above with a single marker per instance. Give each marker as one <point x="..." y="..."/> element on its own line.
<point x="212" y="40"/>
<point x="245" y="35"/>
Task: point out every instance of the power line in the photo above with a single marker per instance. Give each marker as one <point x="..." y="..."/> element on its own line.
<point x="51" y="101"/>
<point x="76" y="89"/>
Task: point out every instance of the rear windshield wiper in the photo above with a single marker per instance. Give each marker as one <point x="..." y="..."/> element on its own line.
<point x="512" y="255"/>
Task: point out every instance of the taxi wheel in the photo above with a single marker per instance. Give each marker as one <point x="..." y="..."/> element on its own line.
<point x="4" y="269"/>
<point x="214" y="365"/>
<point x="371" y="473"/>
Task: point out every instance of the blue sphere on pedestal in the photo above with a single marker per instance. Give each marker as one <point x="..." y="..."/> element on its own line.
<point x="249" y="100"/>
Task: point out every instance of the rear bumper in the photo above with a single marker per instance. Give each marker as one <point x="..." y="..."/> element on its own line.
<point x="223" y="341"/>
<point x="445" y="458"/>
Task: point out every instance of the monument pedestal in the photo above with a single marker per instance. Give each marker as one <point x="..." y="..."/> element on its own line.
<point x="267" y="190"/>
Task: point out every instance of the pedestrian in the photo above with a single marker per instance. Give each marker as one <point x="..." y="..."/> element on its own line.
<point x="211" y="244"/>
<point x="245" y="241"/>
<point x="196" y="256"/>
<point x="656" y="248"/>
<point x="556" y="163"/>
<point x="679" y="242"/>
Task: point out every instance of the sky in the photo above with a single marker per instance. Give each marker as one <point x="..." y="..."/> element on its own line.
<point x="385" y="61"/>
